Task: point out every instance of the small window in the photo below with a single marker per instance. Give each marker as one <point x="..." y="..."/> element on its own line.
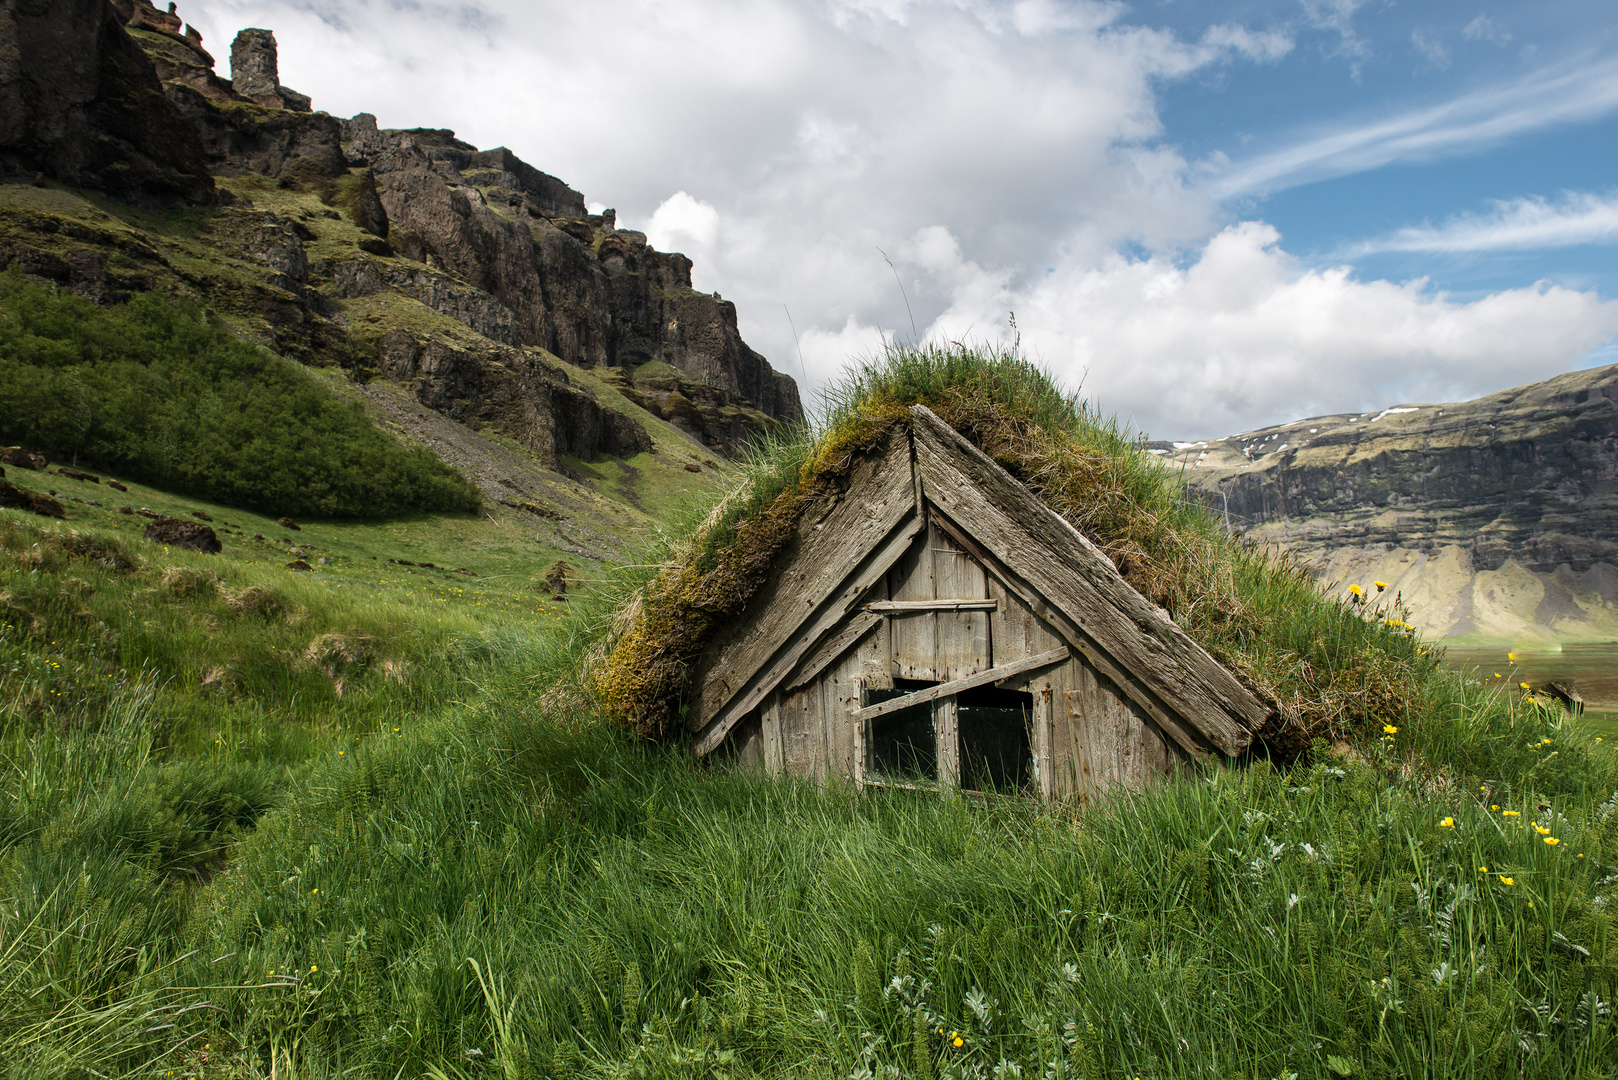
<point x="995" y="750"/>
<point x="901" y="747"/>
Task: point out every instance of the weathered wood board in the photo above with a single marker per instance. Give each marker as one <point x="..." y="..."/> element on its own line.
<point x="815" y="565"/>
<point x="999" y="513"/>
<point x="960" y="638"/>
<point x="911" y="633"/>
<point x="826" y="621"/>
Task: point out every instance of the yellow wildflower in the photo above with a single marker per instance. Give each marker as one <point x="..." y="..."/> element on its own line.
<point x="1390" y="729"/>
<point x="1541" y="830"/>
<point x="957" y="1042"/>
<point x="1523" y="685"/>
<point x="313" y="968"/>
<point x="1494" y="806"/>
<point x="1506" y="881"/>
<point x="1356" y="590"/>
<point x="1483" y="869"/>
<point x="1497" y="674"/>
<point x="1511" y="813"/>
<point x="1447" y="823"/>
<point x="1380" y="585"/>
<point x="1552" y="841"/>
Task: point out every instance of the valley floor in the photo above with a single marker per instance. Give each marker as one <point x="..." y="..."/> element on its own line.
<point x="360" y="821"/>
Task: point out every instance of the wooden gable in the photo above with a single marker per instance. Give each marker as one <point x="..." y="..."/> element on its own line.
<point x="937" y="577"/>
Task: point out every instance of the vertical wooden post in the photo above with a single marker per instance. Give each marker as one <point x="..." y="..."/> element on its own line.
<point x="859" y="741"/>
<point x="771" y="722"/>
<point x="946" y="725"/>
<point x="1044" y="765"/>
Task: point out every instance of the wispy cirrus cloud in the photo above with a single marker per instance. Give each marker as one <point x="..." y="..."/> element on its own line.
<point x="1466" y="123"/>
<point x="1514" y="225"/>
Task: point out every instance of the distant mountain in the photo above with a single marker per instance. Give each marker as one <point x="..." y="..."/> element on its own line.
<point x="439" y="277"/>
<point x="1497" y="519"/>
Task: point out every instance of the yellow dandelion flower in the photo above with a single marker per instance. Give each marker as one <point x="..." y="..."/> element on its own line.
<point x="1380" y="585"/>
<point x="1511" y="656"/>
<point x="1447" y="823"/>
<point x="1523" y="685"/>
<point x="1390" y="729"/>
<point x="1552" y="841"/>
<point x="1356" y="590"/>
<point x="1497" y="674"/>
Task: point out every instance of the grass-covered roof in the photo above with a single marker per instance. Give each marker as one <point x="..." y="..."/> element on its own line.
<point x="1330" y="669"/>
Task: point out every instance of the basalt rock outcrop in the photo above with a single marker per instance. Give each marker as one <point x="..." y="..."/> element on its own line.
<point x="82" y="104"/>
<point x="1482" y="508"/>
<point x="465" y="276"/>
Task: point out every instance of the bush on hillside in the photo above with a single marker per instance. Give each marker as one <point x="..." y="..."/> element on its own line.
<point x="155" y="392"/>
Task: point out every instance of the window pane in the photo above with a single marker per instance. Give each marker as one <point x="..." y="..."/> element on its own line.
<point x="995" y="753"/>
<point x="901" y="747"/>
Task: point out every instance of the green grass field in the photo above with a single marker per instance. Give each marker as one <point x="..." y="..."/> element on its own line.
<point x="366" y="821"/>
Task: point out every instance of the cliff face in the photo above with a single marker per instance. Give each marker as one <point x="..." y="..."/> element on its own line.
<point x="1499" y="515"/>
<point x="81" y="103"/>
<point x="467" y="276"/>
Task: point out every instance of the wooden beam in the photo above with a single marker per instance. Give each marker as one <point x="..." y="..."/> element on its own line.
<point x="830" y="615"/>
<point x="858" y="627"/>
<point x="982" y="678"/>
<point x="813" y="568"/>
<point x="1137" y="692"/>
<point x="899" y="607"/>
<point x="771" y="730"/>
<point x="1052" y="556"/>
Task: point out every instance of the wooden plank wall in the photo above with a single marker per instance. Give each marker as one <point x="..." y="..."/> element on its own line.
<point x="1088" y="736"/>
<point x="945" y="645"/>
<point x="911" y="636"/>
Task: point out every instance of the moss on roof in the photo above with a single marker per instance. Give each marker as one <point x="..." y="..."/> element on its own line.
<point x="1330" y="669"/>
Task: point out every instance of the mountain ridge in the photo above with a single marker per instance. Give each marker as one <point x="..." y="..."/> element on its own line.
<point x="474" y="283"/>
<point x="1496" y="519"/>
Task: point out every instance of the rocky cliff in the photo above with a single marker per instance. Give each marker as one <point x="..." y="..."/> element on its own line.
<point x="1495" y="518"/>
<point x="470" y="278"/>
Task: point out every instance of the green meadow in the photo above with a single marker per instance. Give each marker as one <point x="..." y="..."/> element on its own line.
<point x="371" y="820"/>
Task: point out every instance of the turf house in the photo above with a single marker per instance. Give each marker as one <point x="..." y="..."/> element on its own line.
<point x="935" y="624"/>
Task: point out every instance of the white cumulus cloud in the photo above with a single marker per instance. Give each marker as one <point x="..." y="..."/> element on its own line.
<point x="1245" y="335"/>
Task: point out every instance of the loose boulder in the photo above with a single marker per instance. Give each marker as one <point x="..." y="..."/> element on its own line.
<point x="190" y="535"/>
<point x="16" y="498"/>
<point x="23" y="459"/>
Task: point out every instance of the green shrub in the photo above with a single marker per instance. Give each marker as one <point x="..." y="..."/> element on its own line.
<point x="155" y="392"/>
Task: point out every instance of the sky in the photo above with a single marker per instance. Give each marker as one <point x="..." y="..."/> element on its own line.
<point x="1205" y="216"/>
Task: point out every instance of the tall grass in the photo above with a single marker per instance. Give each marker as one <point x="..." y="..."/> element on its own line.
<point x="518" y="894"/>
<point x="510" y="885"/>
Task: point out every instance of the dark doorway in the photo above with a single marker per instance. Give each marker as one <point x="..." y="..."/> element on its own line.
<point x="995" y="751"/>
<point x="901" y="747"/>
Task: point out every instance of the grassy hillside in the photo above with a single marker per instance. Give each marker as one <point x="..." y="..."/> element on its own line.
<point x="155" y="391"/>
<point x="455" y="865"/>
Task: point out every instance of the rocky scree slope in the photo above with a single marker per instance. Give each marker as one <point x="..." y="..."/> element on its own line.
<point x="437" y="276"/>
<point x="1497" y="519"/>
